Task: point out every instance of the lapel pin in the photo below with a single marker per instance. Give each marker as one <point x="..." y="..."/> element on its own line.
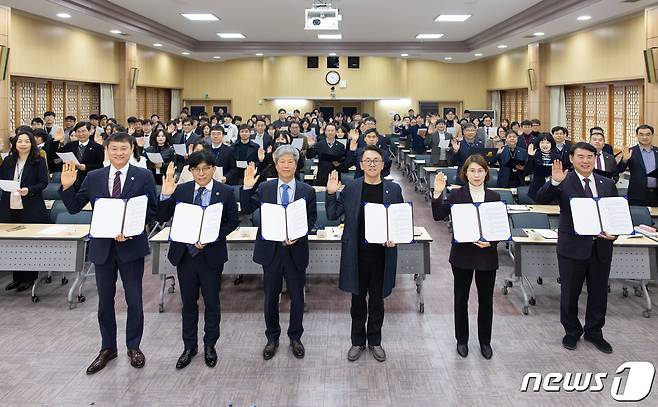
<point x="216" y="193"/>
<point x="132" y="178"/>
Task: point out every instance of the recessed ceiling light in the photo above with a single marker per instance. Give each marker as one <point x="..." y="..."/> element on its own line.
<point x="157" y="44"/>
<point x="230" y="36"/>
<point x="428" y="36"/>
<point x="217" y="57"/>
<point x="452" y="17"/>
<point x="330" y="36"/>
<point x="538" y="34"/>
<point x="333" y="54"/>
<point x="115" y="31"/>
<point x="447" y="58"/>
<point x="185" y="53"/>
<point x="584" y="18"/>
<point x="478" y="54"/>
<point x="404" y="55"/>
<point x="502" y="46"/>
<point x="259" y="54"/>
<point x="200" y="17"/>
<point x="63" y="15"/>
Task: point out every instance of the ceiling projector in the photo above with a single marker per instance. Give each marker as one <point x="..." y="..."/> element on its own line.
<point x="322" y="19"/>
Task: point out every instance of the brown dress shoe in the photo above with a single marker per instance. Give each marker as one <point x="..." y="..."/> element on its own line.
<point x="101" y="360"/>
<point x="137" y="358"/>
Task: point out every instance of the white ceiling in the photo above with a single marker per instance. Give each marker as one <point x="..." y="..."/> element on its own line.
<point x="272" y="21"/>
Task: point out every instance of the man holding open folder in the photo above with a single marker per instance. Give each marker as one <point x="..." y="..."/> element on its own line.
<point x="199" y="265"/>
<point x="281" y="259"/>
<point x="580" y="257"/>
<point x="119" y="180"/>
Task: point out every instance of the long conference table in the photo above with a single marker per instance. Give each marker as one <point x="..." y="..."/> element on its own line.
<point x="324" y="257"/>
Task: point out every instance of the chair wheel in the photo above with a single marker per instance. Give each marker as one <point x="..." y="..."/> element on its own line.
<point x="624" y="292"/>
<point x="532" y="301"/>
<point x="65" y="280"/>
<point x="82" y="298"/>
<point x="540" y="281"/>
<point x="505" y="290"/>
<point x="646" y="313"/>
<point x="525" y="310"/>
<point x="510" y="284"/>
<point x="161" y="308"/>
<point x="49" y="279"/>
<point x="559" y="281"/>
<point x="171" y="289"/>
<point x="35" y="298"/>
<point x="421" y="308"/>
<point x="238" y="280"/>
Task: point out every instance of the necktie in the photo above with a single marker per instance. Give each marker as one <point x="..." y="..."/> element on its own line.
<point x="487" y="129"/>
<point x="588" y="190"/>
<point x="197" y="201"/>
<point x="116" y="187"/>
<point x="285" y="199"/>
<point x="81" y="151"/>
<point x="598" y="163"/>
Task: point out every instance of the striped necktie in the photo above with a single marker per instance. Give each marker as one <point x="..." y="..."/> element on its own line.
<point x="116" y="187"/>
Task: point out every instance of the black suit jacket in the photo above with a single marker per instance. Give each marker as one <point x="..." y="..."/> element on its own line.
<point x="224" y="158"/>
<point x="92" y="158"/>
<point x="267" y="140"/>
<point x="215" y="253"/>
<point x="467" y="255"/>
<point x="609" y="169"/>
<point x="507" y="167"/>
<point x="323" y="151"/>
<point x="35" y="179"/>
<point x="353" y="158"/>
<point x="236" y="174"/>
<point x="637" y="184"/>
<point x="569" y="244"/>
<point x="458" y="158"/>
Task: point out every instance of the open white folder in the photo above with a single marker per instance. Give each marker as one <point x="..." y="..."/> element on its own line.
<point x="486" y="221"/>
<point x="194" y="224"/>
<point x="593" y="216"/>
<point x="394" y="222"/>
<point x="279" y="223"/>
<point x="68" y="158"/>
<point x="114" y="216"/>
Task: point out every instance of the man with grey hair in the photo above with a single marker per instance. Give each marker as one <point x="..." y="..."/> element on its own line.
<point x="280" y="260"/>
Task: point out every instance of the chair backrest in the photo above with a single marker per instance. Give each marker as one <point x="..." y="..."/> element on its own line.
<point x="57" y="208"/>
<point x="320" y="196"/>
<point x="56" y="177"/>
<point x="622" y="191"/>
<point x="80" y="218"/>
<point x="530" y="220"/>
<point x="322" y="221"/>
<point x="450" y="173"/>
<point x="51" y="191"/>
<point x="507" y="197"/>
<point x="308" y="164"/>
<point x="493" y="178"/>
<point x="522" y="195"/>
<point x="641" y="216"/>
<point x="236" y="192"/>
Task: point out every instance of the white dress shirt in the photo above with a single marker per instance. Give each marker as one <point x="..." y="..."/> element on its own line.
<point x="122" y="177"/>
<point x="592" y="183"/>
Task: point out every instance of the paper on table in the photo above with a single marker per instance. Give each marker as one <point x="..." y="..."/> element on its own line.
<point x="546" y="233"/>
<point x="465" y="225"/>
<point x="401" y="222"/>
<point x="68" y="157"/>
<point x="518" y="208"/>
<point x="55" y="230"/>
<point x="186" y="223"/>
<point x="135" y="217"/>
<point x="375" y="228"/>
<point x="155" y="158"/>
<point x="297" y="219"/>
<point x="241" y="164"/>
<point x="494" y="221"/>
<point x="212" y="221"/>
<point x="107" y="218"/>
<point x="585" y="216"/>
<point x="273" y="222"/>
<point x="298" y="143"/>
<point x="9" y="186"/>
<point x="615" y="216"/>
<point x="444" y="143"/>
<point x="180" y="149"/>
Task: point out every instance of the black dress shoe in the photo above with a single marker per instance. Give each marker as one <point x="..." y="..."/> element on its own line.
<point x="101" y="360"/>
<point x="186" y="358"/>
<point x="137" y="358"/>
<point x="486" y="351"/>
<point x="270" y="350"/>
<point x="569" y="342"/>
<point x="210" y="356"/>
<point x="297" y="349"/>
<point x="24" y="286"/>
<point x="462" y="349"/>
<point x="11" y="286"/>
<point x="600" y="343"/>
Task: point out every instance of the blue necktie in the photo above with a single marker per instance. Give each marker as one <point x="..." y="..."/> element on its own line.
<point x="285" y="198"/>
<point x="197" y="201"/>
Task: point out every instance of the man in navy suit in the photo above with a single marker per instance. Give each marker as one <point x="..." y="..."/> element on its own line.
<point x="122" y="181"/>
<point x="281" y="260"/>
<point x="581" y="258"/>
<point x="261" y="137"/>
<point x="365" y="269"/>
<point x="199" y="266"/>
<point x="90" y="154"/>
<point x="640" y="161"/>
<point x="512" y="159"/>
<point x="461" y="150"/>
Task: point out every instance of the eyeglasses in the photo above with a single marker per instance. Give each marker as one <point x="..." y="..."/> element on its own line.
<point x="197" y="170"/>
<point x="371" y="163"/>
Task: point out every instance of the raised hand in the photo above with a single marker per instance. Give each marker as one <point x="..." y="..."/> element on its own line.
<point x="353" y="134"/>
<point x="261" y="154"/>
<point x="440" y="181"/>
<point x="169" y="181"/>
<point x="500" y="149"/>
<point x="333" y="184"/>
<point x="69" y="175"/>
<point x="353" y="145"/>
<point x="455" y="145"/>
<point x="59" y="135"/>
<point x="531" y="150"/>
<point x="269" y="149"/>
<point x="310" y="141"/>
<point x="557" y="172"/>
<point x="140" y="141"/>
<point x="250" y="177"/>
<point x="626" y="153"/>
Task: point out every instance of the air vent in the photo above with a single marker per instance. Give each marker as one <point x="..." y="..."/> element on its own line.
<point x="630" y="1"/>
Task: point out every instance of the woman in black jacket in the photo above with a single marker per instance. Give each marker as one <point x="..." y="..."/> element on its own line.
<point x="466" y="259"/>
<point x="541" y="154"/>
<point x="25" y="166"/>
<point x="160" y="142"/>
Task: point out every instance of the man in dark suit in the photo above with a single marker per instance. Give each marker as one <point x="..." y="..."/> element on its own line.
<point x="354" y="155"/>
<point x="512" y="159"/>
<point x="119" y="180"/>
<point x="527" y="135"/>
<point x="562" y="146"/>
<point x="605" y="164"/>
<point x="365" y="269"/>
<point x="461" y="150"/>
<point x="281" y="121"/>
<point x="90" y="154"/>
<point x="261" y="137"/>
<point x="640" y="161"/>
<point x="199" y="266"/>
<point x="486" y="134"/>
<point x="245" y="151"/>
<point x="607" y="148"/>
<point x="330" y="153"/>
<point x="581" y="258"/>
<point x="437" y="133"/>
<point x="222" y="153"/>
<point x="281" y="260"/>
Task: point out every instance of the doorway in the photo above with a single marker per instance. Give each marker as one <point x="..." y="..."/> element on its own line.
<point x="331" y="107"/>
<point x="208" y="106"/>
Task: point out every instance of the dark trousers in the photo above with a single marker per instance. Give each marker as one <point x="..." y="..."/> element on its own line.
<point x="572" y="275"/>
<point x="106" y="279"/>
<point x="283" y="267"/>
<point x="21" y="276"/>
<point x="651" y="199"/>
<point x="484" y="281"/>
<point x="371" y="283"/>
<point x="195" y="274"/>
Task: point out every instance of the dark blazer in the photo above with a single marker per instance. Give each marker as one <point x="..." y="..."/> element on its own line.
<point x="215" y="253"/>
<point x="139" y="181"/>
<point x="467" y="255"/>
<point x="539" y="172"/>
<point x="325" y="167"/>
<point x="569" y="244"/>
<point x="637" y="184"/>
<point x="92" y="158"/>
<point x="609" y="166"/>
<point x="506" y="168"/>
<point x="563" y="155"/>
<point x="458" y="158"/>
<point x="348" y="203"/>
<point x="236" y="174"/>
<point x="35" y="179"/>
<point x="180" y="138"/>
<point x="353" y="158"/>
<point x="267" y="140"/>
<point x="251" y="199"/>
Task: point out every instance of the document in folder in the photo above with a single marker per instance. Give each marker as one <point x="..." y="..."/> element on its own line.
<point x="113" y="216"/>
<point x="394" y="222"/>
<point x="486" y="221"/>
<point x="195" y="224"/>
<point x="593" y="216"/>
<point x="69" y="158"/>
<point x="279" y="223"/>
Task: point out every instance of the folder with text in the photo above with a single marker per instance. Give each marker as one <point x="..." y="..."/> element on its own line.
<point x="485" y="221"/>
<point x="114" y="216"/>
<point x="195" y="224"/>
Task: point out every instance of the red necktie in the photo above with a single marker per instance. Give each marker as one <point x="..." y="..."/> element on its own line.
<point x="116" y="187"/>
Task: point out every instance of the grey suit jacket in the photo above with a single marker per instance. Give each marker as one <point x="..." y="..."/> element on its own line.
<point x="481" y="135"/>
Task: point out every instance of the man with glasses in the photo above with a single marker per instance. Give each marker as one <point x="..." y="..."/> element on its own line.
<point x="365" y="269"/>
<point x="354" y="154"/>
